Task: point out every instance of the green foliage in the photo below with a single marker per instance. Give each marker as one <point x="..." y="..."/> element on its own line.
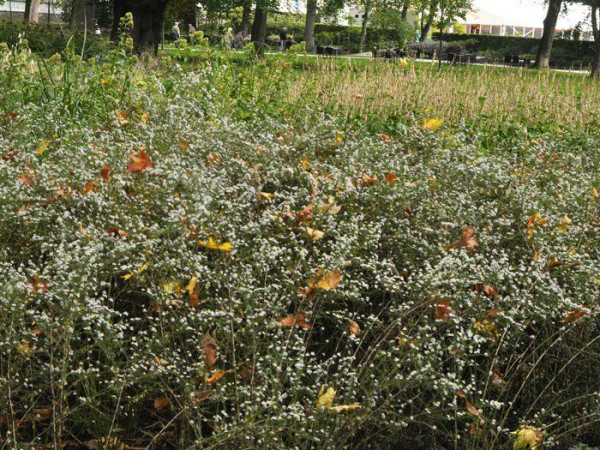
<point x="348" y="37"/>
<point x="46" y="40"/>
<point x="299" y="48"/>
<point x="564" y="52"/>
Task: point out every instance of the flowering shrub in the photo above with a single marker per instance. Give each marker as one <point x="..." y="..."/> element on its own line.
<point x="173" y="275"/>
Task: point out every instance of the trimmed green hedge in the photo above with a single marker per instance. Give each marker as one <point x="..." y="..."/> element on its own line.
<point x="46" y="40"/>
<point x="346" y="37"/>
<point x="564" y="52"/>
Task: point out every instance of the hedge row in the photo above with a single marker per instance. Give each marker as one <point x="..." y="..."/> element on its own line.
<point x="347" y="37"/>
<point x="564" y="52"/>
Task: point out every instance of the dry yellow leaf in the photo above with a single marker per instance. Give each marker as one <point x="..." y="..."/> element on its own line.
<point x="42" y="147"/>
<point x="353" y="328"/>
<point x="212" y="245"/>
<point x="265" y="196"/>
<point x="326" y="396"/>
<point x="325" y="280"/>
<point x="160" y="403"/>
<point x="24" y="348"/>
<point x="432" y="124"/>
<point x="192" y="284"/>
<point x="528" y="437"/>
<point x="216" y="376"/>
<point x="313" y="234"/>
<point x="340" y="408"/>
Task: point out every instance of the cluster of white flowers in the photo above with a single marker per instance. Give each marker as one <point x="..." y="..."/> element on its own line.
<point x="472" y="274"/>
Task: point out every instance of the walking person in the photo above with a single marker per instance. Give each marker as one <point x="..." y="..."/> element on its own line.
<point x="228" y="39"/>
<point x="283" y="36"/>
<point x="191" y="32"/>
<point x="175" y="32"/>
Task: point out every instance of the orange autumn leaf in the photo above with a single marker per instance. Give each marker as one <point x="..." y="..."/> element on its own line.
<point x="209" y="345"/>
<point x="305" y="214"/>
<point x="122" y="117"/>
<point x="473" y="410"/>
<point x="265" y="196"/>
<point x="475" y="429"/>
<point x="25" y="179"/>
<point x="194" y="298"/>
<point x="490" y="291"/>
<point x="536" y="220"/>
<point x="367" y="180"/>
<point x="140" y="162"/>
<point x="573" y="316"/>
<point x="160" y="403"/>
<point x="89" y="187"/>
<point x="43" y="412"/>
<point x="105" y="173"/>
<point x="353" y="328"/>
<point x="391" y="179"/>
<point x="468" y="239"/>
<point x="117" y="232"/>
<point x="38" y="285"/>
<point x="297" y="320"/>
<point x="487" y="289"/>
<point x="203" y="396"/>
<point x="493" y="313"/>
<point x="386" y="138"/>
<point x="442" y="310"/>
<point x="497" y="375"/>
<point x="460" y="393"/>
<point x="191" y="288"/>
<point x="216" y="376"/>
<point x="325" y="280"/>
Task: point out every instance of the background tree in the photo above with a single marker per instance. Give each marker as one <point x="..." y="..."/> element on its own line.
<point x="427" y="10"/>
<point x="542" y="60"/>
<point x="329" y="8"/>
<point x="32" y="11"/>
<point x="148" y="18"/>
<point x="309" y="25"/>
<point x="259" y="27"/>
<point x="83" y="15"/>
<point x="595" y="16"/>
<point x="405" y="8"/>
<point x="449" y="11"/>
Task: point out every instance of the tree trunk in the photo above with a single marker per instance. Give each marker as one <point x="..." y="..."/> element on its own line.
<point x="363" y="31"/>
<point x="147" y="25"/>
<point x="245" y="25"/>
<point x="259" y="31"/>
<point x="34" y="11"/>
<point x="596" y="60"/>
<point x="405" y="8"/>
<point x="83" y="14"/>
<point x="119" y="10"/>
<point x="309" y="26"/>
<point x="27" y="11"/>
<point x="425" y="29"/>
<point x="542" y="61"/>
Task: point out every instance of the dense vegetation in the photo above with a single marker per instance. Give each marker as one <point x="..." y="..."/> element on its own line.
<point x="222" y="252"/>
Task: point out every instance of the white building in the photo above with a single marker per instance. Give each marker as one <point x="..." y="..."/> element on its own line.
<point x="483" y="22"/>
<point x="15" y="10"/>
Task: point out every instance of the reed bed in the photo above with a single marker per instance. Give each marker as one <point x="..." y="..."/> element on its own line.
<point x="501" y="95"/>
